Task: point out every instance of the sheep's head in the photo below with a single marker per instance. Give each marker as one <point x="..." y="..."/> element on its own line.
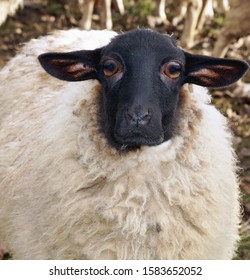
<point x="141" y="73"/>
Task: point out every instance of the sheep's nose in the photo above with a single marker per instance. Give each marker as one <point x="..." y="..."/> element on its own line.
<point x="138" y="117"/>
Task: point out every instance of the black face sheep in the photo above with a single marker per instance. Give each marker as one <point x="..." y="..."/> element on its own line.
<point x="134" y="166"/>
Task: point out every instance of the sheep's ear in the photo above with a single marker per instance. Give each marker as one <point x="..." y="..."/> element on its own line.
<point x="213" y="72"/>
<point x="72" y="66"/>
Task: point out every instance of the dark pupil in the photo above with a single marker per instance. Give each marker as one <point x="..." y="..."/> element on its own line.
<point x="173" y="69"/>
<point x="109" y="67"/>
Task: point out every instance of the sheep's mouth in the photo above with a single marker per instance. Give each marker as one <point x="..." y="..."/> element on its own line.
<point x="138" y="139"/>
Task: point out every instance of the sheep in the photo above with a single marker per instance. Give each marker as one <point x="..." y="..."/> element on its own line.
<point x="194" y="12"/>
<point x="238" y="12"/>
<point x="128" y="161"/>
<point x="8" y="7"/>
<point x="87" y="7"/>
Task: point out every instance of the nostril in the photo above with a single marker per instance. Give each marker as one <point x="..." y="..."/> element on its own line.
<point x="144" y="119"/>
<point x="138" y="118"/>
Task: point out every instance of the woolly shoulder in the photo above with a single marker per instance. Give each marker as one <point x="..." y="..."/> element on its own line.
<point x="215" y="137"/>
<point x="69" y="40"/>
<point x="23" y="76"/>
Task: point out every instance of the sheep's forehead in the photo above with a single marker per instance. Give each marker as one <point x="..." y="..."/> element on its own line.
<point x="144" y="43"/>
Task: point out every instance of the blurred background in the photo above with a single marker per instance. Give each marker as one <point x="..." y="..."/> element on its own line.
<point x="212" y="27"/>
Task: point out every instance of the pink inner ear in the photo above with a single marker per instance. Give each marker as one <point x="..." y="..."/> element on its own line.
<point x="75" y="67"/>
<point x="216" y="75"/>
<point x="213" y="73"/>
<point x="210" y="73"/>
<point x="71" y="66"/>
<point x="206" y="75"/>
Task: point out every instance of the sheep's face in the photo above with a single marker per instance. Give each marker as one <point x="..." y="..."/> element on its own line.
<point x="141" y="73"/>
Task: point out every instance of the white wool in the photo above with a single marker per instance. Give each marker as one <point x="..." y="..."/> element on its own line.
<point x="66" y="194"/>
<point x="8" y="7"/>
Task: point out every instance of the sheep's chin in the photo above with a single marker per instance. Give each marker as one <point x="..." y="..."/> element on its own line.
<point x="133" y="143"/>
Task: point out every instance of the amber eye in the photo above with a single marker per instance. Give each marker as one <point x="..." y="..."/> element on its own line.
<point x="172" y="69"/>
<point x="110" y="67"/>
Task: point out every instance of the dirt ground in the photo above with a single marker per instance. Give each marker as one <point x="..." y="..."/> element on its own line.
<point x="42" y="17"/>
